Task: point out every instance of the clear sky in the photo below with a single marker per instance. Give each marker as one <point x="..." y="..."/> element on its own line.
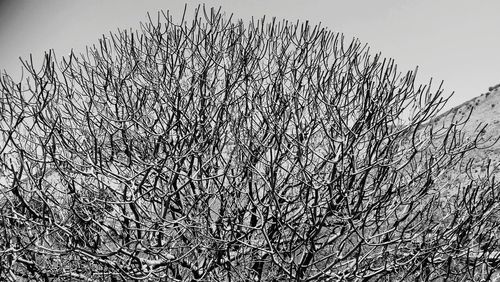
<point x="452" y="40"/>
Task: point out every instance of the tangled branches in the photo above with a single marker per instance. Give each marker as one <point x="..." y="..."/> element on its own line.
<point x="219" y="151"/>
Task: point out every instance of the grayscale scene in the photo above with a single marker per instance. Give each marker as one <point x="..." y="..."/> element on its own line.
<point x="249" y="140"/>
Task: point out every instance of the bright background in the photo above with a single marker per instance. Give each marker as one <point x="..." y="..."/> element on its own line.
<point x="452" y="40"/>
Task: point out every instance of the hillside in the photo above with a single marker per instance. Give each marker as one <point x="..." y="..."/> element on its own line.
<point x="482" y="121"/>
<point x="482" y="110"/>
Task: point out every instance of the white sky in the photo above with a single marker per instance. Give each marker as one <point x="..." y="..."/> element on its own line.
<point x="452" y="40"/>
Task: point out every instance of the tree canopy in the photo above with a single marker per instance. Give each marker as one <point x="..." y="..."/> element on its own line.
<point x="225" y="151"/>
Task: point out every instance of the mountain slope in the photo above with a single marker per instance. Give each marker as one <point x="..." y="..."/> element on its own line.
<point x="482" y="123"/>
<point x="482" y="110"/>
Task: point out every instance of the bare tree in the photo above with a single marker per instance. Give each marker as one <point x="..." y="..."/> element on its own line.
<point x="229" y="152"/>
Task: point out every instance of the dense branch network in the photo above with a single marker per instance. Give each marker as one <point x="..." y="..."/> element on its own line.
<point x="219" y="151"/>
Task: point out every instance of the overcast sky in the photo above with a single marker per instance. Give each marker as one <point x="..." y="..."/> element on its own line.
<point x="456" y="41"/>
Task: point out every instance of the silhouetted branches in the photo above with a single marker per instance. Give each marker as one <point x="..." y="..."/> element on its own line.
<point x="219" y="151"/>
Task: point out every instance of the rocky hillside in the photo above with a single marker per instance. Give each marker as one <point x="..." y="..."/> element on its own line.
<point x="483" y="121"/>
<point x="481" y="111"/>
